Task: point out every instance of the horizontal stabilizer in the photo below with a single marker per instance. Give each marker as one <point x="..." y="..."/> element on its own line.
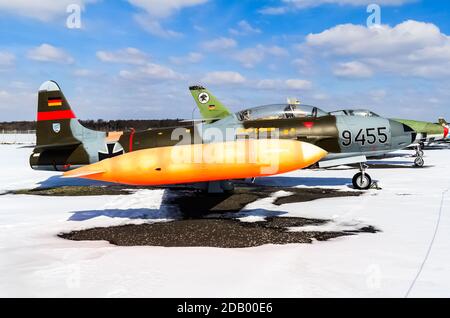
<point x="58" y="145"/>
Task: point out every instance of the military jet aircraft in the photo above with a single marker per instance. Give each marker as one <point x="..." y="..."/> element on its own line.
<point x="163" y="156"/>
<point x="347" y="138"/>
<point x="427" y="132"/>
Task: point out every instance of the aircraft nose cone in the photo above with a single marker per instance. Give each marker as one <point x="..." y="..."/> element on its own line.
<point x="312" y="153"/>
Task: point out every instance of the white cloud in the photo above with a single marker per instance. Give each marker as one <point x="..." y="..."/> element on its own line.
<point x="154" y="27"/>
<point x="303" y="4"/>
<point x="353" y="70"/>
<point x="49" y="53"/>
<point x="224" y="77"/>
<point x="409" y="48"/>
<point x="219" y="44"/>
<point x="7" y="59"/>
<point x="128" y="55"/>
<point x="156" y="10"/>
<point x="378" y="94"/>
<point x="275" y="51"/>
<point x="82" y="72"/>
<point x="279" y="84"/>
<point x="15" y="98"/>
<point x="382" y="40"/>
<point x="244" y="28"/>
<point x="292" y="5"/>
<point x="191" y="58"/>
<point x="268" y="84"/>
<point x="273" y="10"/>
<point x="164" y="8"/>
<point x="151" y="71"/>
<point x="298" y="84"/>
<point x="252" y="56"/>
<point x="249" y="57"/>
<point x="44" y="10"/>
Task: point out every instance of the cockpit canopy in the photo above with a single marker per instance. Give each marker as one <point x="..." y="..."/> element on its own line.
<point x="354" y="112"/>
<point x="280" y="111"/>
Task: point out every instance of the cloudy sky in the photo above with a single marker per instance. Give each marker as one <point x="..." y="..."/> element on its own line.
<point x="136" y="58"/>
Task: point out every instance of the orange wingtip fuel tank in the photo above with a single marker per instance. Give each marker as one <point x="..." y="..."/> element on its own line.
<point x="203" y="162"/>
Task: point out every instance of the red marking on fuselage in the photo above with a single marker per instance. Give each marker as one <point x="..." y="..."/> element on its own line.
<point x="308" y="124"/>
<point x="446" y="130"/>
<point x="131" y="139"/>
<point x="55" y="115"/>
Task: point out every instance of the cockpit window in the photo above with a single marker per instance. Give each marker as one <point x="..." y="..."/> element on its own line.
<point x="280" y="111"/>
<point x="354" y="112"/>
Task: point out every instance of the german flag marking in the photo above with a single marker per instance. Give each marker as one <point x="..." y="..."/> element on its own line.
<point x="54" y="101"/>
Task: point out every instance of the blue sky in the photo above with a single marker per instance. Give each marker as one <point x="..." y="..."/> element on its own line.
<point x="136" y="58"/>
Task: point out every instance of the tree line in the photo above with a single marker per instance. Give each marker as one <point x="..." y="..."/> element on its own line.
<point x="101" y="125"/>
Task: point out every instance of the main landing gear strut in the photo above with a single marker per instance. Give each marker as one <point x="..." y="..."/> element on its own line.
<point x="362" y="180"/>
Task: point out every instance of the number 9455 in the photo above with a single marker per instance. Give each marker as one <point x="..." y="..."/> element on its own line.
<point x="365" y="136"/>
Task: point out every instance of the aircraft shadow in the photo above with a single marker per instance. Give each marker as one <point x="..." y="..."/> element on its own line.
<point x="164" y="214"/>
<point x="292" y="181"/>
<point x="133" y="214"/>
<point x="256" y="213"/>
<point x="59" y="181"/>
<point x="387" y="162"/>
<point x="392" y="156"/>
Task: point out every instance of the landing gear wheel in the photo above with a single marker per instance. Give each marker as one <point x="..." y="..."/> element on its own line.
<point x="362" y="181"/>
<point x="419" y="162"/>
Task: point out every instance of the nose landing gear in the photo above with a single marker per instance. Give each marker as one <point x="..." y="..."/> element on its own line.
<point x="419" y="162"/>
<point x="362" y="180"/>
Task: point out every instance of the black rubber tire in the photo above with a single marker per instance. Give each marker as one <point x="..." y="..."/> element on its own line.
<point x="360" y="183"/>
<point x="419" y="162"/>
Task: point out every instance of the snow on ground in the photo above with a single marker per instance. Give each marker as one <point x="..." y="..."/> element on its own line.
<point x="17" y="138"/>
<point x="35" y="262"/>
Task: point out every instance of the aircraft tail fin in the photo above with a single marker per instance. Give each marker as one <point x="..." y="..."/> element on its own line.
<point x="443" y="122"/>
<point x="56" y="122"/>
<point x="60" y="138"/>
<point x="210" y="107"/>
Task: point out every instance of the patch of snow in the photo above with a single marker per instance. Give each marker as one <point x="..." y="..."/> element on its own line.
<point x="35" y="262"/>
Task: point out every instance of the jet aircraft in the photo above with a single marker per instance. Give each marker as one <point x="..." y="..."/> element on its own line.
<point x="163" y="156"/>
<point x="427" y="132"/>
<point x="347" y="137"/>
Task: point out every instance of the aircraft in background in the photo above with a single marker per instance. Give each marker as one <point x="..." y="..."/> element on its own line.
<point x="156" y="156"/>
<point x="427" y="132"/>
<point x="347" y="137"/>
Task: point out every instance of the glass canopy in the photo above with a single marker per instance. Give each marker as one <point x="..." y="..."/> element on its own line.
<point x="354" y="112"/>
<point x="280" y="111"/>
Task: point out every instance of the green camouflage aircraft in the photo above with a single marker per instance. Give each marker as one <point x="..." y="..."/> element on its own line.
<point x="428" y="133"/>
<point x="64" y="144"/>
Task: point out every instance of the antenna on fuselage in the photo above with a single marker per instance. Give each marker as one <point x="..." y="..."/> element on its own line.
<point x="293" y="101"/>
